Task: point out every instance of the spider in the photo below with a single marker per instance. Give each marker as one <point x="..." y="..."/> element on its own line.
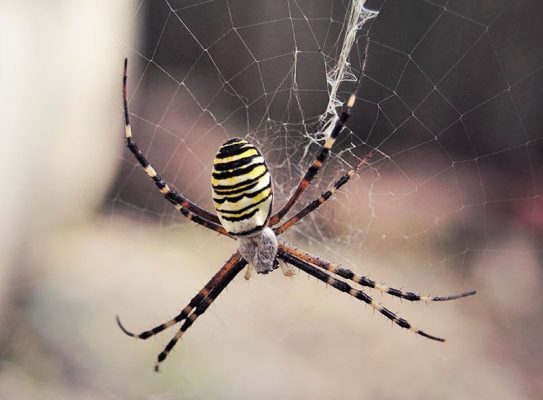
<point x="242" y="194"/>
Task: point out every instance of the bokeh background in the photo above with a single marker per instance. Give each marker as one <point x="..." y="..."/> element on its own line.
<point x="451" y="201"/>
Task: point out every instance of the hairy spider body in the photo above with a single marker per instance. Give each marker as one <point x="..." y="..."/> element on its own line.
<point x="242" y="194"/>
<point x="260" y="250"/>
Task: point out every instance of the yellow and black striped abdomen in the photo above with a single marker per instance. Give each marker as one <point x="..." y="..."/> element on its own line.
<point x="242" y="188"/>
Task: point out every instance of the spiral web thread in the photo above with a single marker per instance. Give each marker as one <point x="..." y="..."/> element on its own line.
<point x="448" y="105"/>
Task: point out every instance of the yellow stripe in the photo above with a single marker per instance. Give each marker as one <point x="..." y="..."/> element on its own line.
<point x="260" y="185"/>
<point x="150" y="171"/>
<point x="329" y="143"/>
<point x="238" y="188"/>
<point x="255" y="200"/>
<point x="350" y="102"/>
<point x="236" y="179"/>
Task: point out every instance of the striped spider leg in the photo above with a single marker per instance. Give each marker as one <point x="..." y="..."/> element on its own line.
<point x="313" y="205"/>
<point x="196" y="306"/>
<point x="345" y="287"/>
<point x="189" y="209"/>
<point x="325" y="149"/>
<point x="363" y="280"/>
<point x="242" y="196"/>
<point x="196" y="214"/>
<point x="222" y="283"/>
<point x="324" y="270"/>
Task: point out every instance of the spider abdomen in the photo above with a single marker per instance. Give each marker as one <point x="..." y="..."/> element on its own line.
<point x="242" y="189"/>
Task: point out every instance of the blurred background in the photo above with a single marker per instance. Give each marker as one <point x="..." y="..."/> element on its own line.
<point x="451" y="201"/>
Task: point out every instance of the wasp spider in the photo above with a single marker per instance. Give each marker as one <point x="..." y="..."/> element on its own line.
<point x="242" y="194"/>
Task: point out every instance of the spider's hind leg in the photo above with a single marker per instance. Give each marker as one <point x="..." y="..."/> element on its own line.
<point x="365" y="281"/>
<point x="225" y="276"/>
<point x="358" y="294"/>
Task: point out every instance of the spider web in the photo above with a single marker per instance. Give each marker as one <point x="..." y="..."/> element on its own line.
<point x="448" y="104"/>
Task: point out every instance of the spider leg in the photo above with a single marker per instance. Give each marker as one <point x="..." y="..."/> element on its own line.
<point x="225" y="279"/>
<point x="248" y="272"/>
<point x="359" y="294"/>
<point x="312" y="206"/>
<point x="365" y="281"/>
<point x="189" y="209"/>
<point x="287" y="269"/>
<point x="325" y="149"/>
<point x="196" y="300"/>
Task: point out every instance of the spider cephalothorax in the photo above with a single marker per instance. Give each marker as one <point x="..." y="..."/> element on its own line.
<point x="242" y="193"/>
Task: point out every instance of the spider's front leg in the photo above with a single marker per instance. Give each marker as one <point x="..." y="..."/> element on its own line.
<point x="322" y="155"/>
<point x="187" y="208"/>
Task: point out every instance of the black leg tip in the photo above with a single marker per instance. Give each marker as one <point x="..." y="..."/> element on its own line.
<point x="431" y="337"/>
<point x="123" y="328"/>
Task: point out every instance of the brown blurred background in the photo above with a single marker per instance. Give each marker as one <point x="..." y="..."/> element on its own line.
<point x="451" y="201"/>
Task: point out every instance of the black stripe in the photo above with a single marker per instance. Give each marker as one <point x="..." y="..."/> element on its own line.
<point x="387" y="313"/>
<point x="238" y="198"/>
<point x="237" y="191"/>
<point x="234" y="164"/>
<point x="404" y="295"/>
<point x="344" y="273"/>
<point x="131" y="143"/>
<point x="234" y="140"/>
<point x="366" y="282"/>
<point x="244" y="208"/>
<point x="246" y="216"/>
<point x="311" y="172"/>
<point x="343" y="117"/>
<point x="237" y="185"/>
<point x="404" y="324"/>
<point x="234" y="150"/>
<point x="237" y="172"/>
<point x="159" y="182"/>
<point x="322" y="154"/>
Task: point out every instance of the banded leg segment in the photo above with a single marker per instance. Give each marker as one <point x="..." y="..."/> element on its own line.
<point x="189" y="209"/>
<point x="196" y="300"/>
<point x="325" y="149"/>
<point x="363" y="280"/>
<point x="346" y="288"/>
<point x="225" y="279"/>
<point x="319" y="201"/>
